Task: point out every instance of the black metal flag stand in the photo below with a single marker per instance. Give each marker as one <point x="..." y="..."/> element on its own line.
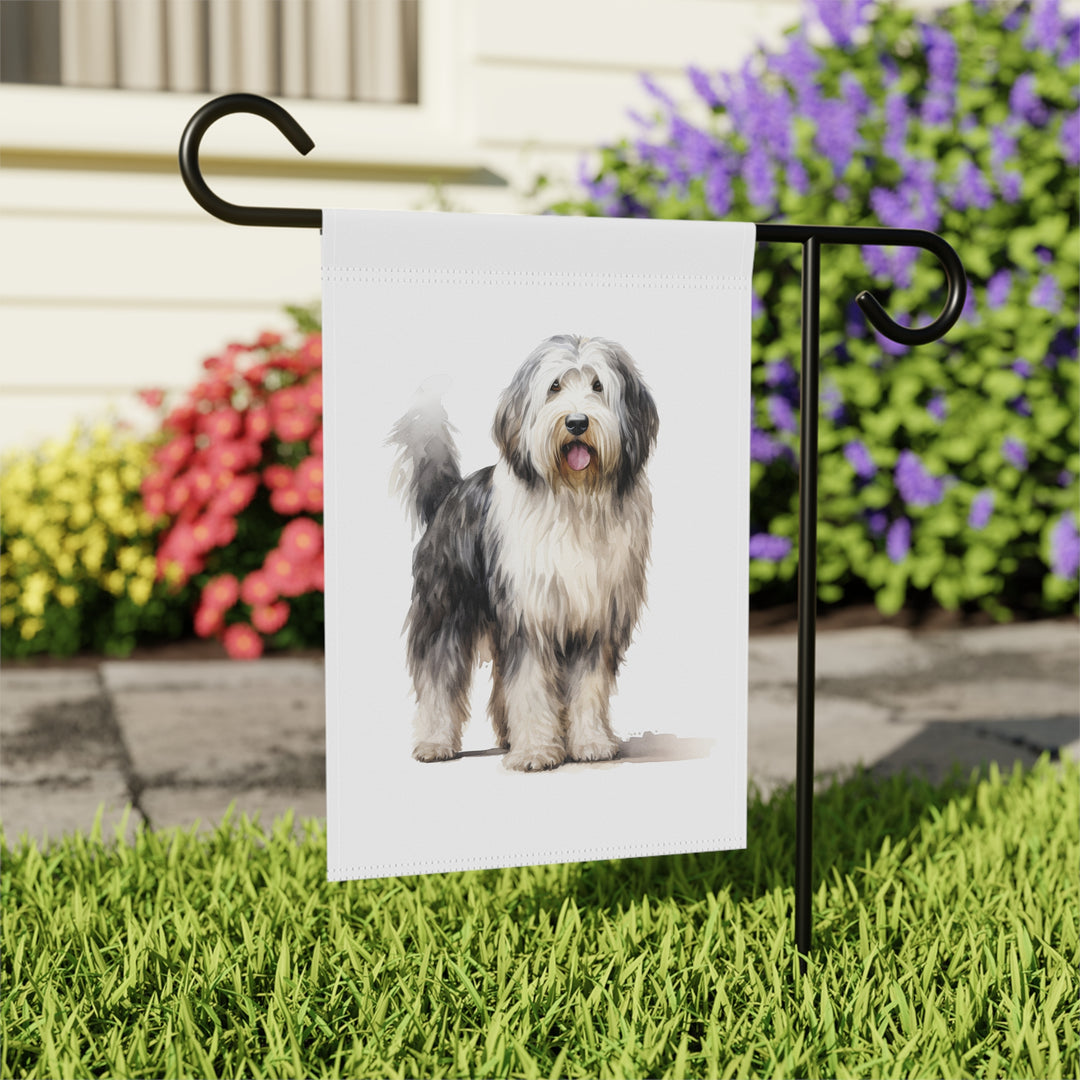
<point x="811" y="237"/>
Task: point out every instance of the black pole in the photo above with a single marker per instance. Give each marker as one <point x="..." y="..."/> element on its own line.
<point x="807" y="595"/>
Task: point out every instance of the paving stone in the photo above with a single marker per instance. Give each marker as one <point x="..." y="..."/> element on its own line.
<point x="231" y="724"/>
<point x="841" y="654"/>
<point x="49" y="810"/>
<point x="846" y="734"/>
<point x="934" y="749"/>
<point x="1029" y="639"/>
<point x="1019" y="700"/>
<point x="207" y="805"/>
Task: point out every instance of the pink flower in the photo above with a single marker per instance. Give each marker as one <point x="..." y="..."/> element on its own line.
<point x="257" y="590"/>
<point x="295" y="425"/>
<point x="235" y="495"/>
<point x="285" y="573"/>
<point x="258" y="423"/>
<point x="287" y="501"/>
<point x="301" y="539"/>
<point x="222" y="424"/>
<point x="270" y="618"/>
<point x="152" y="398"/>
<point x="221" y="592"/>
<point x="315" y="442"/>
<point x="208" y="620"/>
<point x="242" y="643"/>
<point x="277" y="476"/>
<point x="309" y="481"/>
<point x="233" y="456"/>
<point x="173" y="455"/>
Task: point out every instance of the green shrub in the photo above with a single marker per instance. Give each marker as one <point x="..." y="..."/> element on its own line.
<point x="77" y="550"/>
<point x="947" y="471"/>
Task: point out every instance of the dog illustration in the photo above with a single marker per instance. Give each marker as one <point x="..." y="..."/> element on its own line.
<point x="537" y="562"/>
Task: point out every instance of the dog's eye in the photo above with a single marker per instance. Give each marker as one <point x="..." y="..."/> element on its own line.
<point x="554" y="387"/>
<point x="597" y="386"/>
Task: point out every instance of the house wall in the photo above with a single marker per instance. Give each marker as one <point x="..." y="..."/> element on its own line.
<point x="112" y="279"/>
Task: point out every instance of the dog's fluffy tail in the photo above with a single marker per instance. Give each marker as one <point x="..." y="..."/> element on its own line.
<point x="426" y="467"/>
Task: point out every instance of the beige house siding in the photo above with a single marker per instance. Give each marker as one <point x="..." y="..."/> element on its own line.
<point x="112" y="279"/>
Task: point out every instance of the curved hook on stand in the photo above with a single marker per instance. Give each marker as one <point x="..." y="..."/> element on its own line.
<point x="876" y="315"/>
<point x="197" y="127"/>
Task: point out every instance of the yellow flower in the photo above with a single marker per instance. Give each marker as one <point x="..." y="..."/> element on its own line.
<point x="131" y="477"/>
<point x="30" y="627"/>
<point x="35" y="589"/>
<point x="127" y="558"/>
<point x="148" y="567"/>
<point x="68" y="595"/>
<point x="33" y="520"/>
<point x="109" y="507"/>
<point x="81" y="515"/>
<point x="7" y="614"/>
<point x="49" y="540"/>
<point x="65" y="564"/>
<point x="21" y="549"/>
<point x="92" y="557"/>
<point x="116" y="582"/>
<point x="139" y="590"/>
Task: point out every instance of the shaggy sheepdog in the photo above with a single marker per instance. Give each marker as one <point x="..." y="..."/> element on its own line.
<point x="537" y="562"/>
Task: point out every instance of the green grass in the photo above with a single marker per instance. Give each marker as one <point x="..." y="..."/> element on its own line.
<point x="946" y="945"/>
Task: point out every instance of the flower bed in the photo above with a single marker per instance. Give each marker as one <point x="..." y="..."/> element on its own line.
<point x="947" y="471"/>
<point x="237" y="487"/>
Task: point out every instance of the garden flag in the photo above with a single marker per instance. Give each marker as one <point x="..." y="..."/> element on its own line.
<point x="537" y="435"/>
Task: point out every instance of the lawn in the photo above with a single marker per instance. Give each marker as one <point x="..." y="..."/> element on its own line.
<point x="946" y="944"/>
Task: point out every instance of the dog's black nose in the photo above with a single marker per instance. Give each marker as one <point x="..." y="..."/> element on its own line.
<point x="577" y="423"/>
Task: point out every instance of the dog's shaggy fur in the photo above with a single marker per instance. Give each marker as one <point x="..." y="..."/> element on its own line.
<point x="537" y="562"/>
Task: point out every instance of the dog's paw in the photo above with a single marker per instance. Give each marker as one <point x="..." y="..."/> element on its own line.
<point x="432" y="751"/>
<point x="594" y="750"/>
<point x="534" y="760"/>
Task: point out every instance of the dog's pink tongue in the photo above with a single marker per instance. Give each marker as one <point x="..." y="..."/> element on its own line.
<point x="577" y="457"/>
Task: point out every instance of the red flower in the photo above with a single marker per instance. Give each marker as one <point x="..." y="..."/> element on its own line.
<point x="295" y="424"/>
<point x="302" y="539"/>
<point x="221" y="592"/>
<point x="222" y="424"/>
<point x="153" y="494"/>
<point x="287" y="501"/>
<point x="313" y="393"/>
<point x="267" y="340"/>
<point x="180" y="420"/>
<point x="256" y="589"/>
<point x="208" y="620"/>
<point x="200" y="484"/>
<point x="286" y="400"/>
<point x="180" y="550"/>
<point x="173" y="455"/>
<point x="315" y="442"/>
<point x="235" y="496"/>
<point x="204" y="535"/>
<point x="177" y="496"/>
<point x="316" y="574"/>
<point x="277" y="476"/>
<point x="258" y="423"/>
<point x="152" y="398"/>
<point x="233" y="456"/>
<point x="213" y="392"/>
<point x="270" y="618"/>
<point x="285" y="573"/>
<point x="242" y="643"/>
<point x="309" y="481"/>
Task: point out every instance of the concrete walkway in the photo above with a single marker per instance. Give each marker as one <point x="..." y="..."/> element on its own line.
<point x="179" y="741"/>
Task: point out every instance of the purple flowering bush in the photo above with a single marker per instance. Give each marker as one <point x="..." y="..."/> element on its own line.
<point x="948" y="471"/>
